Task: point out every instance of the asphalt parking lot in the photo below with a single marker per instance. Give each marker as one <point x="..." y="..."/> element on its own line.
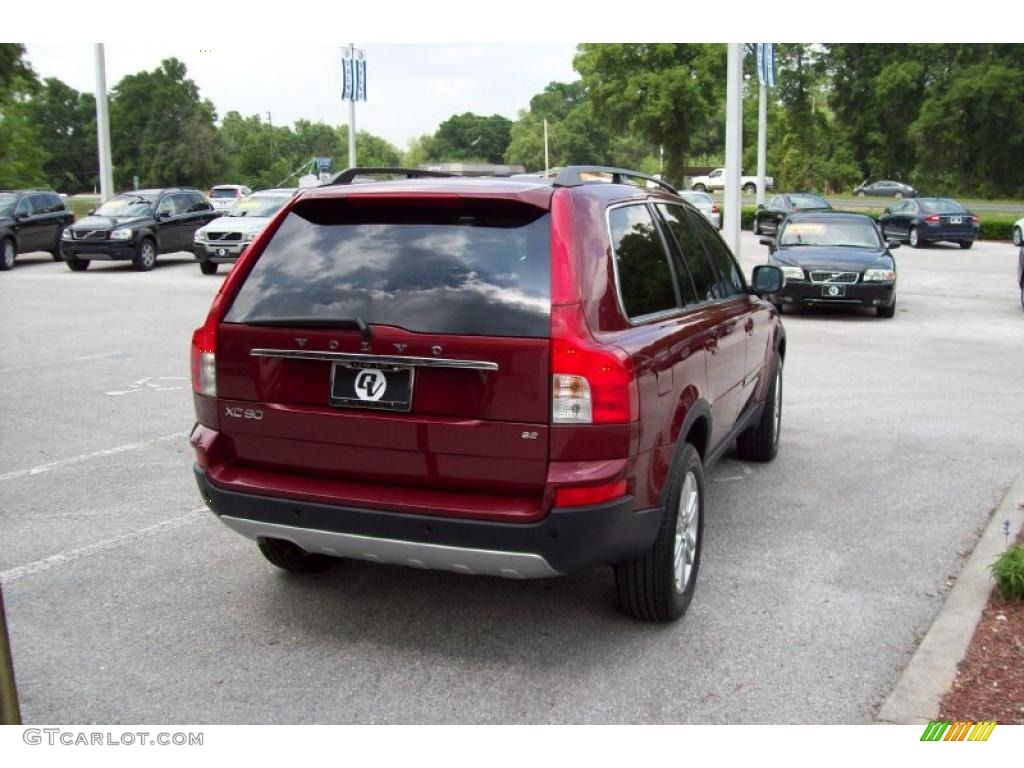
<point x="128" y="603"/>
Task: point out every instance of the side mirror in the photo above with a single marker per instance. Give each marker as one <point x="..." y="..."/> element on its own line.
<point x="161" y="215"/>
<point x="20" y="216"/>
<point x="888" y="210"/>
<point x="892" y="244"/>
<point x="91" y="212"/>
<point x="767" y="279"/>
<point x="760" y="207"/>
<point x="770" y="242"/>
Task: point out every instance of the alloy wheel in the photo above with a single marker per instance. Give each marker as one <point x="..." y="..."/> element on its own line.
<point x="684" y="550"/>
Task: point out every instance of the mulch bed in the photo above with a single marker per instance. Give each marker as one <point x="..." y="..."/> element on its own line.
<point x="989" y="682"/>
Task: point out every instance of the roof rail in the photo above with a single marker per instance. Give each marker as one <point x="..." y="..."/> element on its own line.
<point x="349" y="175"/>
<point x="573" y="176"/>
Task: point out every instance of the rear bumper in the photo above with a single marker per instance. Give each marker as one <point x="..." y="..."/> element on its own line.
<point x="857" y="294"/>
<point x="566" y="540"/>
<point x="946" y="234"/>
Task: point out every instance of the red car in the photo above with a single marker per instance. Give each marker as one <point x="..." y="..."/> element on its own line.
<point x="516" y="377"/>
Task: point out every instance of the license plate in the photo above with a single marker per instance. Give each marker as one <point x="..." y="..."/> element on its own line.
<point x="833" y="291"/>
<point x="956" y="220"/>
<point x="371" y="385"/>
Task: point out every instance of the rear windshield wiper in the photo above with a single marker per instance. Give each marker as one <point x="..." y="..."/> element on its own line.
<point x="314" y="322"/>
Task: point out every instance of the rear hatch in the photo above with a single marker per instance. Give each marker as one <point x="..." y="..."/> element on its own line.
<point x="398" y="341"/>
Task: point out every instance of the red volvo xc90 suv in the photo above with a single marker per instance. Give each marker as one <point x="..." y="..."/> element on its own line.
<point x="518" y="377"/>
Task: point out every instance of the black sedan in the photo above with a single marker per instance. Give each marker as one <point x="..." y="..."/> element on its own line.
<point x="768" y="217"/>
<point x="834" y="258"/>
<point x="929" y="220"/>
<point x="885" y="188"/>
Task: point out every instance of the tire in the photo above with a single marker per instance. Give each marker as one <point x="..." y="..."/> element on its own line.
<point x="861" y="194"/>
<point x="145" y="256"/>
<point x="55" y="255"/>
<point x="699" y="188"/>
<point x="8" y="253"/>
<point x="289" y="557"/>
<point x="898" y="196"/>
<point x="914" y="239"/>
<point x="659" y="585"/>
<point x="750" y="189"/>
<point x="887" y="312"/>
<point x="760" y="442"/>
<point x="208" y="267"/>
<point x="77" y="265"/>
<point x="1022" y="294"/>
<point x="1018" y="237"/>
<point x="756" y="227"/>
<point x="966" y="244"/>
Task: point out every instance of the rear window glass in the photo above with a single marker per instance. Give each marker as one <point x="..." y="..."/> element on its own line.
<point x="224" y="193"/>
<point x="473" y="267"/>
<point x="941" y="205"/>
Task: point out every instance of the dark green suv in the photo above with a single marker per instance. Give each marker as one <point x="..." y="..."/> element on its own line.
<point x="31" y="220"/>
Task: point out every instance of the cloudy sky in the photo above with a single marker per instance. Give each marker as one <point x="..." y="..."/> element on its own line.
<point x="411" y="88"/>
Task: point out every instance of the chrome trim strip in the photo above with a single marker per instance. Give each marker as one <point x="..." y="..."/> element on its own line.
<point x="485" y="562"/>
<point x="353" y="357"/>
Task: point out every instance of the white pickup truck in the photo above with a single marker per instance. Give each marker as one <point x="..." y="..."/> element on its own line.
<point x="716" y="180"/>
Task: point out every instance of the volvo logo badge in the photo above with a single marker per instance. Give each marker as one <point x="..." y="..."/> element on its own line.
<point x="301" y="342"/>
<point x="833" y="290"/>
<point x="436" y="350"/>
<point x="400" y="347"/>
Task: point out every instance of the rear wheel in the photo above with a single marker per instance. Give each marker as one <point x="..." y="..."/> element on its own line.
<point x="289" y="557"/>
<point x="761" y="441"/>
<point x="145" y="256"/>
<point x="889" y="311"/>
<point x="898" y="196"/>
<point x="77" y="265"/>
<point x="750" y="189"/>
<point x="966" y="244"/>
<point x="7" y="254"/>
<point x="699" y="188"/>
<point x="208" y="267"/>
<point x="659" y="585"/>
<point x="756" y="227"/>
<point x="914" y="239"/>
<point x="861" y="194"/>
<point x="1018" y="236"/>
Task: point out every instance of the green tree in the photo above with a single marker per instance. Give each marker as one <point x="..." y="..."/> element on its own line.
<point x="22" y="157"/>
<point x="65" y="122"/>
<point x="162" y="131"/>
<point x="471" y="138"/>
<point x="669" y="94"/>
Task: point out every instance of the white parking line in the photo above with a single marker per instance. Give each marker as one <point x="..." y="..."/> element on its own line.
<point x="60" y="463"/>
<point x="71" y="555"/>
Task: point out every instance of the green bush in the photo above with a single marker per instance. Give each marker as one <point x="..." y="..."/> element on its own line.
<point x="1009" y="572"/>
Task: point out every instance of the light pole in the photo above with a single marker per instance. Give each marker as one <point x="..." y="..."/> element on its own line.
<point x="733" y="145"/>
<point x="103" y="128"/>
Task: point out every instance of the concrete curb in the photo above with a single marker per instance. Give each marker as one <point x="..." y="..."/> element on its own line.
<point x="932" y="669"/>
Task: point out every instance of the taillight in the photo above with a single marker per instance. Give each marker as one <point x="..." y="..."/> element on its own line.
<point x="714" y="208"/>
<point x="590" y="383"/>
<point x="933" y="219"/>
<point x="204" y="360"/>
<point x="591" y="494"/>
<point x="974" y="219"/>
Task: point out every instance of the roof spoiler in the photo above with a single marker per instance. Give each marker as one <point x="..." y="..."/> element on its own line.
<point x="574" y="176"/>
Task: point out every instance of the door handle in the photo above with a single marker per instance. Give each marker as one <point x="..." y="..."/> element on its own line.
<point x="749" y="326"/>
<point x="712" y="343"/>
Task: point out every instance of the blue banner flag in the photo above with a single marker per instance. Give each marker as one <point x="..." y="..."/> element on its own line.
<point x="765" y="63"/>
<point x="360" y="79"/>
<point x="347" y="80"/>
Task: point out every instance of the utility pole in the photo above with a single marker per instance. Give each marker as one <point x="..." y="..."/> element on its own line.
<point x="9" y="711"/>
<point x="762" y="142"/>
<point x="103" y="128"/>
<point x="273" y="152"/>
<point x="733" y="145"/>
<point x="352" y="113"/>
<point x="547" y="163"/>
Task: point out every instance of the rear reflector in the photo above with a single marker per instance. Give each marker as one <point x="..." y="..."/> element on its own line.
<point x="593" y="494"/>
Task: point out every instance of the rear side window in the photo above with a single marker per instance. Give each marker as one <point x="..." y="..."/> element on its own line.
<point x="224" y="193"/>
<point x="690" y="251"/>
<point x="645" y="278"/>
<point x="458" y="266"/>
<point x="729" y="281"/>
<point x="197" y="203"/>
